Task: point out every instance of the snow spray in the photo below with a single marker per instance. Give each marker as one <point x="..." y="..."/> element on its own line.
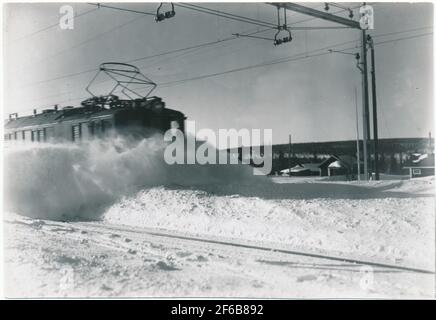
<point x="69" y="181"/>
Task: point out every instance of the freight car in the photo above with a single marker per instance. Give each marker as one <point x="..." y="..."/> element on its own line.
<point x="98" y="116"/>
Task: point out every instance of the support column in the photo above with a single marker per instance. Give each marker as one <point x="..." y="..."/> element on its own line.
<point x="365" y="105"/>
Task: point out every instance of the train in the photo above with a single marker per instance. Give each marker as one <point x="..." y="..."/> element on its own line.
<point x="135" y="115"/>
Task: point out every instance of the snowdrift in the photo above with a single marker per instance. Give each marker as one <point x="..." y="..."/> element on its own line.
<point x="66" y="181"/>
<point x="394" y="226"/>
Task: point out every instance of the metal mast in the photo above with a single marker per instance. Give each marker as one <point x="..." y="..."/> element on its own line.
<point x="355" y="25"/>
<point x="374" y="109"/>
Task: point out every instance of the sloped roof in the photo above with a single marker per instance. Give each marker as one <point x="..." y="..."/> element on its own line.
<point x="336" y="164"/>
<point x="342" y="161"/>
<point x="312" y="166"/>
<point x="68" y="115"/>
<point x="38" y="119"/>
<point x="302" y="167"/>
<point x="422" y="160"/>
<point x="299" y="169"/>
<point x="55" y="116"/>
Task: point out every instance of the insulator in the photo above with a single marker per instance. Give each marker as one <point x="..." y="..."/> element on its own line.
<point x="160" y="17"/>
<point x="170" y="14"/>
<point x="278" y="42"/>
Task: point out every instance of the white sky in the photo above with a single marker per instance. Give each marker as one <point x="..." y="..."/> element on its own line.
<point x="311" y="98"/>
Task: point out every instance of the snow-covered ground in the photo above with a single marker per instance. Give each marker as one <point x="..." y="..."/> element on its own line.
<point x="104" y="220"/>
<point x="382" y="221"/>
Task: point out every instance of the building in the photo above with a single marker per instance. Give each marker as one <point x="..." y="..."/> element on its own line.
<point x="303" y="170"/>
<point x="338" y="165"/>
<point x="421" y="165"/>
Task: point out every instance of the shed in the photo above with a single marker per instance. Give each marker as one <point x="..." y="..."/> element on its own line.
<point x="338" y="165"/>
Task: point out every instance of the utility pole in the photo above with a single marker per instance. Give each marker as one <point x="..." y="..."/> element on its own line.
<point x="374" y="109"/>
<point x="290" y="154"/>
<point x="365" y="104"/>
<point x="357" y="135"/>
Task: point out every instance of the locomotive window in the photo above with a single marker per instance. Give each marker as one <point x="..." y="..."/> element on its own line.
<point x="27" y="135"/>
<point x="20" y="135"/>
<point x="76" y="132"/>
<point x="48" y="133"/>
<point x="41" y="136"/>
<point x="91" y="128"/>
<point x="105" y="125"/>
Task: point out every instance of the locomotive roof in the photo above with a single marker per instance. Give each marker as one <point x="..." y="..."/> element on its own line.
<point x="72" y="114"/>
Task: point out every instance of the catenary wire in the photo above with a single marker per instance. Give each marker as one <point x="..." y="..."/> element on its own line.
<point x="293" y="58"/>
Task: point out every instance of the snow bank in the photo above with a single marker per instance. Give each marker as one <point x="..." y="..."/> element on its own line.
<point x="385" y="221"/>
